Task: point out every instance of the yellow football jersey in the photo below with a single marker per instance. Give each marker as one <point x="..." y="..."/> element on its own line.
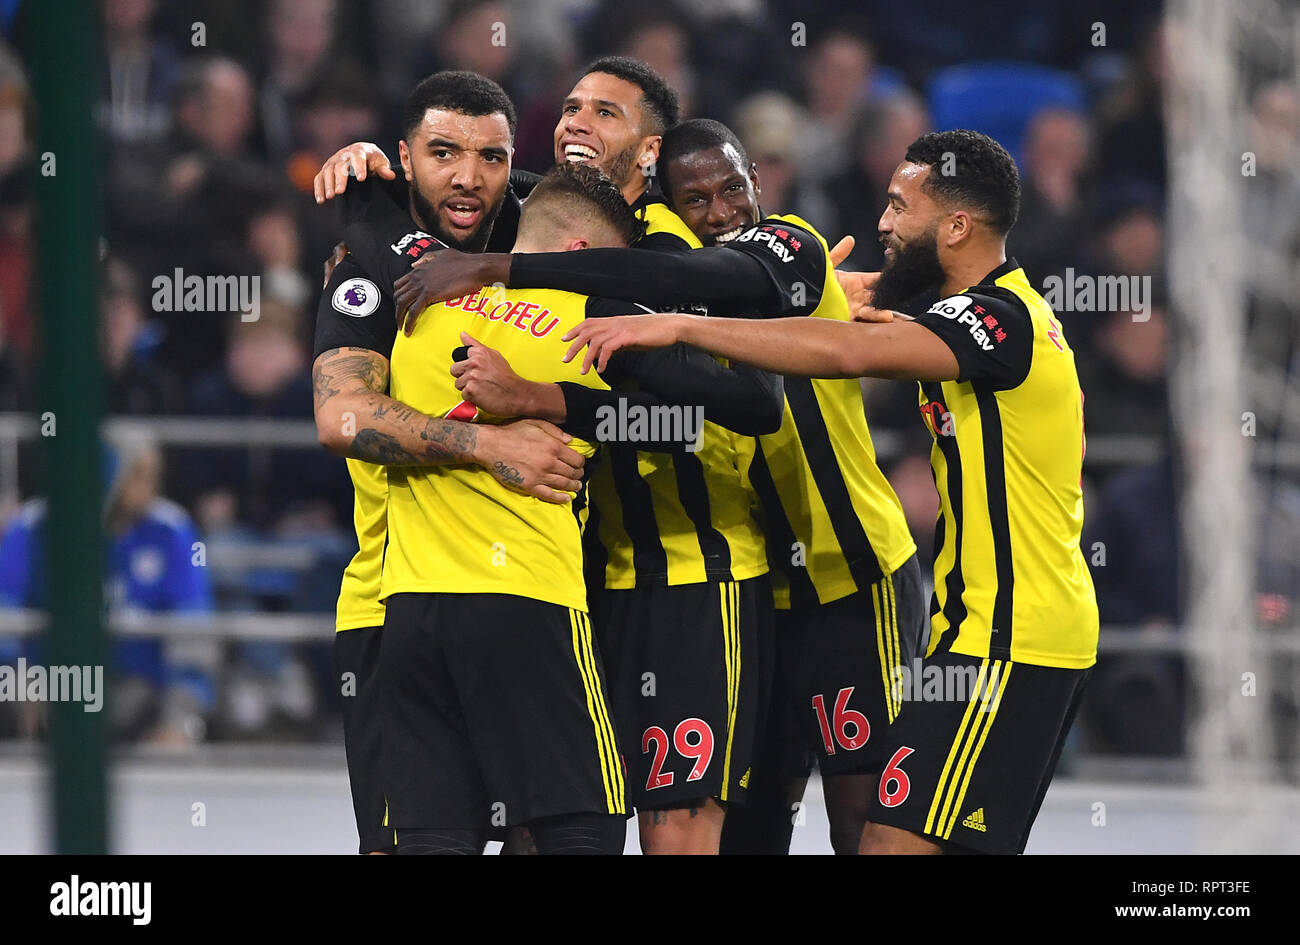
<point x="1010" y="579"/>
<point x="456" y="529"/>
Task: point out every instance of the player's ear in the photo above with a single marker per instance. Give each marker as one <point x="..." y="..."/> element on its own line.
<point x="959" y="227"/>
<point x="404" y="154"/>
<point x="577" y="243"/>
<point x="753" y="178"/>
<point x="649" y="152"/>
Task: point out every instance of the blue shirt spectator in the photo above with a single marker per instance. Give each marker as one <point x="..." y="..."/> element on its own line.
<point x="153" y="566"/>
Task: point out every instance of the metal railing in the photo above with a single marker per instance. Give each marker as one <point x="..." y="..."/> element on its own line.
<point x="307" y="628"/>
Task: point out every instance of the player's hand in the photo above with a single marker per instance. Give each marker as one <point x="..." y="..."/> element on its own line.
<point x="532" y="457"/>
<point x="858" y="286"/>
<point x="604" y="337"/>
<point x="356" y="160"/>
<point x="340" y="250"/>
<point x="842" y="250"/>
<point x="486" y="380"/>
<point x="436" y="277"/>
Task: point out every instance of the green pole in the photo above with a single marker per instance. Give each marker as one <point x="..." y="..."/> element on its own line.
<point x="64" y="59"/>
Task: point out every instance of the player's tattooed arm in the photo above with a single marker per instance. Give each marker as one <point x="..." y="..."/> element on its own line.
<point x="355" y="418"/>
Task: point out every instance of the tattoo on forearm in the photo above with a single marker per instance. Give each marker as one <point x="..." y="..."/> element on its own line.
<point x="400" y="435"/>
<point x="380" y="448"/>
<point x="443" y="439"/>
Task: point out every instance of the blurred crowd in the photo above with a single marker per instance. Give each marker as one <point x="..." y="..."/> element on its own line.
<point x="215" y="114"/>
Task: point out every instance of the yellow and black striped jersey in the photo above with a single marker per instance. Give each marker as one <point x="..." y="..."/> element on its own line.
<point x="672" y="518"/>
<point x="1010" y="578"/>
<point x="456" y="529"/>
<point x="834" y="525"/>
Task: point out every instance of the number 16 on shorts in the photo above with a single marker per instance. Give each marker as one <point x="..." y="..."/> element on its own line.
<point x="846" y="727"/>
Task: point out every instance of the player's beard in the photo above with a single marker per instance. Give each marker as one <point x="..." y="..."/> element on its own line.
<point x="621" y="166"/>
<point x="473" y="243"/>
<point x="912" y="271"/>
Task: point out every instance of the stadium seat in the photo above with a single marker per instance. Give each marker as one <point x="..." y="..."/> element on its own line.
<point x="1000" y="98"/>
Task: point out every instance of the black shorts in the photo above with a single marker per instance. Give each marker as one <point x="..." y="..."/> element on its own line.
<point x="834" y="698"/>
<point x="970" y="767"/>
<point x="690" y="670"/>
<point x="494" y="708"/>
<point x="356" y="666"/>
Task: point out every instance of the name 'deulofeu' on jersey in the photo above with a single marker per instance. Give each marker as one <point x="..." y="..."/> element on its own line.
<point x="522" y="315"/>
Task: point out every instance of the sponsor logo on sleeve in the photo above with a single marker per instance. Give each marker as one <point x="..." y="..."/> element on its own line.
<point x="983" y="326"/>
<point x="356" y="297"/>
<point x="778" y="240"/>
<point x="414" y="244"/>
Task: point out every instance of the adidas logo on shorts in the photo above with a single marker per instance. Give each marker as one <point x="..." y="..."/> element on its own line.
<point x="975" y="821"/>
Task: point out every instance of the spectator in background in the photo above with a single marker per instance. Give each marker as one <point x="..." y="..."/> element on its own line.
<point x="769" y="124"/>
<point x="1131" y="123"/>
<point x="141" y="73"/>
<point x="1049" y="235"/>
<point x="1127" y="238"/>
<point x="1124" y="383"/>
<point x="740" y="49"/>
<point x="1129" y="233"/>
<point x="301" y="34"/>
<point x="476" y="36"/>
<point x="837" y="73"/>
<point x="137" y="381"/>
<point x="661" y="41"/>
<point x="162" y="691"/>
<point x="880" y="139"/>
<point x="275" y="243"/>
<point x="186" y="203"/>
<point x="266" y="374"/>
<point x="339" y="110"/>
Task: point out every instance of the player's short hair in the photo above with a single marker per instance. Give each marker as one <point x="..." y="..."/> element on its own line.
<point x="466" y="92"/>
<point x="581" y="189"/>
<point x="984" y="176"/>
<point x="660" y="109"/>
<point x="696" y="134"/>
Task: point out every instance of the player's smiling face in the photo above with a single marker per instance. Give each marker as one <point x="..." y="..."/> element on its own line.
<point x="714" y="194"/>
<point x="458" y="166"/>
<point x="600" y="124"/>
<point x="910" y="213"/>
<point x="909" y="230"/>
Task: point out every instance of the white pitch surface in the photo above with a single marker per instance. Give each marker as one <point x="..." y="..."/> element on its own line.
<point x="307" y="809"/>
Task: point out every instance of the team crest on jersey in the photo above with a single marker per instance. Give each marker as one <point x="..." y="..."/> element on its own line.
<point x="356" y="297"/>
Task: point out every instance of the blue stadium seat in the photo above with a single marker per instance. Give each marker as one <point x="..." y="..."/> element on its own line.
<point x="1000" y="98"/>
